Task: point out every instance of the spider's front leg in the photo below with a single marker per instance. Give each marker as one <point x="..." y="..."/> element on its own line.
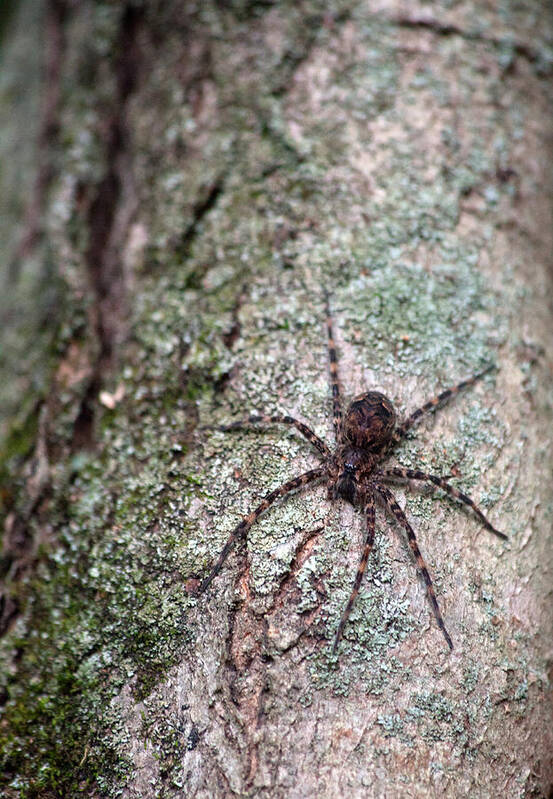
<point x="414" y="474"/>
<point x="435" y="403"/>
<point x="334" y="379"/>
<point x="242" y="528"/>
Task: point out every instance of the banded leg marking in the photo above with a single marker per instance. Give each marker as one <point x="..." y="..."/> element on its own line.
<point x="396" y="511"/>
<point x="435" y="402"/>
<point x="306" y="431"/>
<point x="334" y="380"/>
<point x="242" y="528"/>
<point x="369" y="541"/>
<point x="416" y="474"/>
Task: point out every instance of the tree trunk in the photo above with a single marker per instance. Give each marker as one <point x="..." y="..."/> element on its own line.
<point x="184" y="185"/>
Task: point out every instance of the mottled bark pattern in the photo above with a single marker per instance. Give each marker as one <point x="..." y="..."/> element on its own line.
<point x="181" y="184"/>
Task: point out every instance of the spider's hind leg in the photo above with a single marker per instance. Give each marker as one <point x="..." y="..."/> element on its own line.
<point x="396" y="511"/>
<point x="415" y="474"/>
<point x="370" y="517"/>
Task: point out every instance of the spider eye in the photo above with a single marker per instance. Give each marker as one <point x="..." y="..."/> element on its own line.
<point x="349" y="468"/>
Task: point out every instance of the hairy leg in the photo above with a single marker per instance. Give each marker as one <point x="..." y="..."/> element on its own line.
<point x="242" y="528"/>
<point x="306" y="431"/>
<point x="369" y="540"/>
<point x="435" y="403"/>
<point x="415" y="474"/>
<point x="396" y="511"/>
<point x="334" y="381"/>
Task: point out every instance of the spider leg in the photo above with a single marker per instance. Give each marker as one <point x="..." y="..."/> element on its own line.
<point x="396" y="511"/>
<point x="306" y="431"/>
<point x="242" y="528"/>
<point x="434" y="403"/>
<point x="334" y="381"/>
<point x="415" y="474"/>
<point x="369" y="540"/>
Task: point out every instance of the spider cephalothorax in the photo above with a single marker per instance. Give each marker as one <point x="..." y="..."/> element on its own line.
<point x="365" y="437"/>
<point x="367" y="429"/>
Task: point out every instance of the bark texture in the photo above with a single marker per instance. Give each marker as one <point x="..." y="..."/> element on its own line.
<point x="182" y="181"/>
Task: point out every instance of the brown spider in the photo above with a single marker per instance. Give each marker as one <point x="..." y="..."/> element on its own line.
<point x="365" y="437"/>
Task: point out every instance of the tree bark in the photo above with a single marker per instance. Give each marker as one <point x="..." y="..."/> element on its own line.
<point x="195" y="178"/>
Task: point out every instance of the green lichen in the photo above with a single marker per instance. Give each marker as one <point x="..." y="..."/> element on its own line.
<point x="439" y="708"/>
<point x="391" y="725"/>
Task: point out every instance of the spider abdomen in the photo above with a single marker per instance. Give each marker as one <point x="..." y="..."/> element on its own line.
<point x="370" y="421"/>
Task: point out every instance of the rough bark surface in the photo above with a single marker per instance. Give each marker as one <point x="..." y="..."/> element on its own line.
<point x="182" y="189"/>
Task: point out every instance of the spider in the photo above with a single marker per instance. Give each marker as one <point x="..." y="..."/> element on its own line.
<point x="365" y="437"/>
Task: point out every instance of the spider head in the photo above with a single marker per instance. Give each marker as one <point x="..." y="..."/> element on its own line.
<point x="369" y="422"/>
